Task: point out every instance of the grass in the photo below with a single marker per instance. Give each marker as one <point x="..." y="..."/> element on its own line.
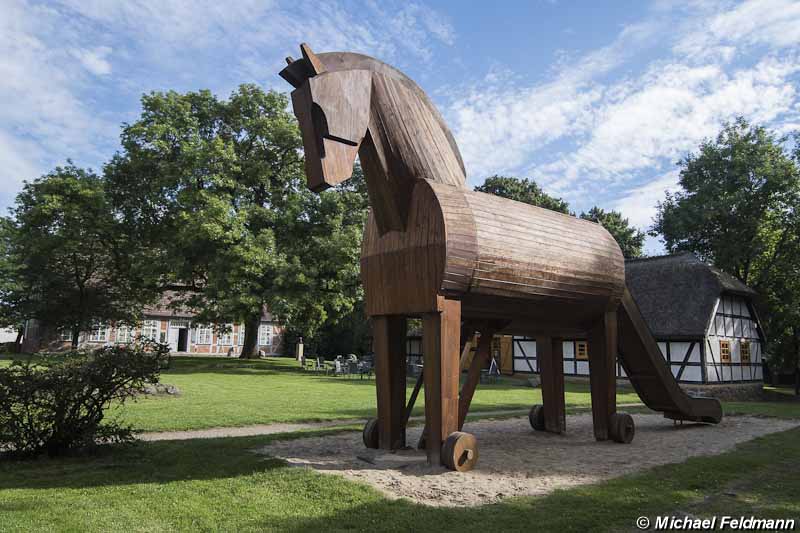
<point x="219" y="392"/>
<point x="220" y="485"/>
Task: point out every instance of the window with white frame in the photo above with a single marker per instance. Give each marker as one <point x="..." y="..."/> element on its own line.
<point x="226" y="336"/>
<point x="204" y="334"/>
<point x="150" y="329"/>
<point x="99" y="333"/>
<point x="125" y="334"/>
<point x="241" y="335"/>
<point x="265" y="335"/>
<point x="65" y="335"/>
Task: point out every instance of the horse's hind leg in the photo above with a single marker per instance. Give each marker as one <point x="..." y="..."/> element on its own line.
<point x="602" y="373"/>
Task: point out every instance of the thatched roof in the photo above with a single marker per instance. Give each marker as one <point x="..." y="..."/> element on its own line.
<point x="676" y="293"/>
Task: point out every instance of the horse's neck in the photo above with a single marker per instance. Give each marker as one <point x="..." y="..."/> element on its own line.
<point x="404" y="143"/>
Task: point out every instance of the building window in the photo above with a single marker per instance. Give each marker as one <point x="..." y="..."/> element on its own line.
<point x="65" y="335"/>
<point x="125" y="334"/>
<point x="744" y="351"/>
<point x="265" y="335"/>
<point x="241" y="335"/>
<point x="725" y="351"/>
<point x="204" y="334"/>
<point x="582" y="350"/>
<point x="226" y="337"/>
<point x="99" y="333"/>
<point x="150" y="330"/>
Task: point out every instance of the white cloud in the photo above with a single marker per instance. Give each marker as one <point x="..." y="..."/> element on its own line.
<point x="95" y="60"/>
<point x="586" y="136"/>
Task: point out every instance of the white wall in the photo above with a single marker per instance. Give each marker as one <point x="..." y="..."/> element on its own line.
<point x="733" y="322"/>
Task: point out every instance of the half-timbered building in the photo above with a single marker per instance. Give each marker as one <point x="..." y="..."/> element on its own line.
<point x="703" y="319"/>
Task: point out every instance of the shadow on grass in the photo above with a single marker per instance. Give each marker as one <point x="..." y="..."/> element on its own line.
<point x="149" y="462"/>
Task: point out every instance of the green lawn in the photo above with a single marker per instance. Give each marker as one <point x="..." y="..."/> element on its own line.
<point x="230" y="392"/>
<point x="220" y="485"/>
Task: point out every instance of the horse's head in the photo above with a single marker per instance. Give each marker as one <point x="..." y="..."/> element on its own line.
<point x="332" y="109"/>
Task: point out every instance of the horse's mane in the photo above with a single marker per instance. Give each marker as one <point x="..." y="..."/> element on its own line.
<point x="337" y="61"/>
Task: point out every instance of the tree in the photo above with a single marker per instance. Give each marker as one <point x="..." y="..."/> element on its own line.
<point x="630" y="239"/>
<point x="216" y="189"/>
<point x="737" y="194"/>
<point x="522" y="190"/>
<point x="64" y="258"/>
<point x="739" y="208"/>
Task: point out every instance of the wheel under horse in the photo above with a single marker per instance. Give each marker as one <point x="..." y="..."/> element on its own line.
<point x="460" y="260"/>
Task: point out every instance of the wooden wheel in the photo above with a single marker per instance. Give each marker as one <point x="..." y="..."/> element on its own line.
<point x="536" y="417"/>
<point x="460" y="451"/>
<point x="622" y="428"/>
<point x="370" y="434"/>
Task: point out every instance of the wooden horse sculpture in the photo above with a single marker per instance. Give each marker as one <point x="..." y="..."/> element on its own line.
<point x="461" y="260"/>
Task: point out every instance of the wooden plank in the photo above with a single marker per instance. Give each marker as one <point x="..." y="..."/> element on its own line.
<point x="389" y="345"/>
<point x="602" y="372"/>
<point x="440" y="340"/>
<point x="549" y="353"/>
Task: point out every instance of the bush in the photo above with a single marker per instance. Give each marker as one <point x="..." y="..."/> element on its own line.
<point x="56" y="405"/>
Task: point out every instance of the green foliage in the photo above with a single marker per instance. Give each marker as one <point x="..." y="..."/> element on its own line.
<point x="216" y="190"/>
<point x="630" y="239"/>
<point x="738" y="208"/>
<point x="56" y="406"/>
<point x="64" y="259"/>
<point x="522" y="190"/>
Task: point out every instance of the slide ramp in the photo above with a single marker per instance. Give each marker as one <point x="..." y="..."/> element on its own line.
<point x="650" y="374"/>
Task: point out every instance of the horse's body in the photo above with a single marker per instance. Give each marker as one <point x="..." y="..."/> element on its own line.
<point x="461" y="260"/>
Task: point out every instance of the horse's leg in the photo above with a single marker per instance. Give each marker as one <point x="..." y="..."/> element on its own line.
<point x="440" y="347"/>
<point x="602" y="373"/>
<point x="549" y="353"/>
<point x="389" y="345"/>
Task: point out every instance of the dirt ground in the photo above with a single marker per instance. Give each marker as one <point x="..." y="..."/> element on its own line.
<point x="514" y="460"/>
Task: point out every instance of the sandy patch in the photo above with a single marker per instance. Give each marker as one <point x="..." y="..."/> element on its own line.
<point x="515" y="460"/>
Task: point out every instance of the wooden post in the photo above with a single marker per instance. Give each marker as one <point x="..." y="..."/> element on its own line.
<point x="602" y="373"/>
<point x="440" y="346"/>
<point x="389" y="345"/>
<point x="549" y="352"/>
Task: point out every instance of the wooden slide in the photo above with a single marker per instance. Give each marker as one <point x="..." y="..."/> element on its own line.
<point x="650" y="374"/>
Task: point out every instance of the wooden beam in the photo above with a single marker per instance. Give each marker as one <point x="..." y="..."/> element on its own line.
<point x="602" y="372"/>
<point x="440" y="345"/>
<point x="549" y="352"/>
<point x="482" y="354"/>
<point x="389" y="345"/>
<point x="413" y="399"/>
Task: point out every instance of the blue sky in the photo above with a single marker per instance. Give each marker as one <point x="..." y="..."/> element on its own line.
<point x="596" y="101"/>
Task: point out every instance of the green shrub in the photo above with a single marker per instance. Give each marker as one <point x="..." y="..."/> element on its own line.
<point x="56" y="405"/>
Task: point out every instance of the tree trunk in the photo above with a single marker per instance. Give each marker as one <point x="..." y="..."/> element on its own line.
<point x="76" y="333"/>
<point x="250" y="347"/>
<point x="796" y="362"/>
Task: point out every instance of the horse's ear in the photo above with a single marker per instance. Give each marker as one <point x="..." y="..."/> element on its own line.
<point x="296" y="72"/>
<point x="316" y="65"/>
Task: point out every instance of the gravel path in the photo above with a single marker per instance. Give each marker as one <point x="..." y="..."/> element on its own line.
<point x="515" y="460"/>
<point x="271" y="429"/>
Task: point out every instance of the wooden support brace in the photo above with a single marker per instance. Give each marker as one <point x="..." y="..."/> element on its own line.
<point x="440" y="348"/>
<point x="549" y="352"/>
<point x="602" y="373"/>
<point x="414" y="394"/>
<point x="482" y="354"/>
<point x="389" y="345"/>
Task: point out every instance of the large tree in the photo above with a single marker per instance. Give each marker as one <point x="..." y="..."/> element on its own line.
<point x="630" y="239"/>
<point x="216" y="189"/>
<point x="738" y="207"/>
<point x="522" y="190"/>
<point x="65" y="260"/>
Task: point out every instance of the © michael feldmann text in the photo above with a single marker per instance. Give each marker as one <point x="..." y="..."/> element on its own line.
<point x="739" y="523"/>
